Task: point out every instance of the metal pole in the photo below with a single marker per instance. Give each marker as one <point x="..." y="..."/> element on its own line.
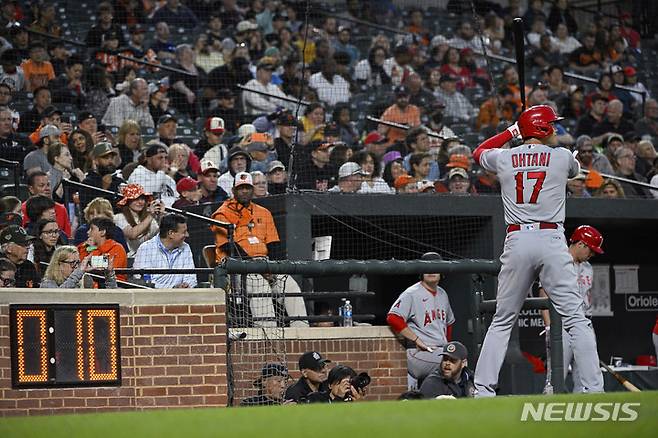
<point x="399" y="126"/>
<point x="626" y="180"/>
<point x="274" y="96"/>
<point x="557" y="361"/>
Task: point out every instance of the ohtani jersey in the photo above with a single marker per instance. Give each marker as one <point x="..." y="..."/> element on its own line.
<point x="427" y="314"/>
<point x="585" y="278"/>
<point x="532" y="179"/>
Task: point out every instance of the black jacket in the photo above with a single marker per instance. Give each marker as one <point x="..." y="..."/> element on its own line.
<point x="259" y="400"/>
<point x="26" y="274"/>
<point x="300" y="390"/>
<point x="324" y="397"/>
<point x="94" y="179"/>
<point x="435" y="385"/>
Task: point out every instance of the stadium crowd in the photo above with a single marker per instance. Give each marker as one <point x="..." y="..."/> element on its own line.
<point x="151" y="104"/>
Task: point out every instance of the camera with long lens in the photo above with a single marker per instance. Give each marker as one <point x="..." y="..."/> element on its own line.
<point x="360" y="381"/>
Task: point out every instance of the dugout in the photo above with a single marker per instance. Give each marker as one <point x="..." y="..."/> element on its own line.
<point x="405" y="226"/>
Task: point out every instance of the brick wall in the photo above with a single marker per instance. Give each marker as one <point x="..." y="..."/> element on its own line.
<point x="173" y="353"/>
<point x="371" y="349"/>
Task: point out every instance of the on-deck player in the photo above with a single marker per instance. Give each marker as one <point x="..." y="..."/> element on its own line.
<point x="586" y="241"/>
<point x="423" y="316"/>
<point x="533" y="178"/>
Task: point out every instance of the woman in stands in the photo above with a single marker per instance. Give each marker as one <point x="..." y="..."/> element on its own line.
<point x="129" y="142"/>
<point x="452" y="66"/>
<point x="610" y="189"/>
<point x="313" y="122"/>
<point x="61" y="160"/>
<point x="80" y="146"/>
<point x="67" y="271"/>
<point x="370" y="72"/>
<point x="138" y="217"/>
<point x="342" y="117"/>
<point x="372" y="181"/>
<point x="48" y="238"/>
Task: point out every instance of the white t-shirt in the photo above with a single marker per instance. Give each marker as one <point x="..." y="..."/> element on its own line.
<point x="121" y="222"/>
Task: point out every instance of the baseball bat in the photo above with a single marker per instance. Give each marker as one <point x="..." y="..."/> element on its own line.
<point x="519" y="47"/>
<point x="625" y="383"/>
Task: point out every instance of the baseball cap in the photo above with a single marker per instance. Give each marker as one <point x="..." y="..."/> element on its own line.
<point x="257" y="146"/>
<point x="15" y="234"/>
<point x="224" y="93"/>
<point x="207" y="165"/>
<point x="287" y="119"/>
<point x="332" y="129"/>
<point x="438" y="40"/>
<point x="246" y="129"/>
<point x="137" y="28"/>
<point x="155" y="149"/>
<point x="630" y="71"/>
<point x="50" y="111"/>
<point x="455" y="350"/>
<point x="84" y="115"/>
<point x="186" y="184"/>
<point x="271" y="370"/>
<point x="215" y="125"/>
<point x="402" y="181"/>
<point x="47" y="130"/>
<point x="101" y="149"/>
<point x="457" y="171"/>
<point x="319" y="144"/>
<point x="312" y="360"/>
<point x="616" y="69"/>
<point x="274" y="165"/>
<point x="243" y="178"/>
<point x="401" y="90"/>
<point x="613" y="137"/>
<point x="228" y="44"/>
<point x="266" y="62"/>
<point x="447" y="78"/>
<point x="166" y="118"/>
<point x="237" y="150"/>
<point x="391" y="156"/>
<point x="246" y="25"/>
<point x="271" y="51"/>
<point x="348" y="169"/>
<point x="458" y="160"/>
<point x="425" y="185"/>
<point x="374" y="137"/>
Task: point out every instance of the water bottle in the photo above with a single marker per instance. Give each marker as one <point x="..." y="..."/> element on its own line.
<point x="341" y="310"/>
<point x="347" y="314"/>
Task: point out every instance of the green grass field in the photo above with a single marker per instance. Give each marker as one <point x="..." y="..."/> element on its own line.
<point x="498" y="417"/>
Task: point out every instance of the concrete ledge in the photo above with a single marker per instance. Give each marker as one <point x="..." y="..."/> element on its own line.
<point x="125" y="297"/>
<point x="359" y="332"/>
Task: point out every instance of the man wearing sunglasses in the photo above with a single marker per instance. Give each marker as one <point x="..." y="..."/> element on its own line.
<point x="590" y="159"/>
<point x="14" y="246"/>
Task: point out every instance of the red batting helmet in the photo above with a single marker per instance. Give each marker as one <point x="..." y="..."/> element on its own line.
<point x="590" y="236"/>
<point x="536" y="121"/>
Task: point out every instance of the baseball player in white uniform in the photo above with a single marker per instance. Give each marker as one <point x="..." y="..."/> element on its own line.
<point x="586" y="241"/>
<point x="533" y="178"/>
<point x="423" y="316"/>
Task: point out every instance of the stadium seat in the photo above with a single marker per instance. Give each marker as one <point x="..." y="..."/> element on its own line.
<point x="209" y="256"/>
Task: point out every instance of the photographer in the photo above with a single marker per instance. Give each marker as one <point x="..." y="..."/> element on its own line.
<point x="314" y="376"/>
<point x="452" y="378"/>
<point x="67" y="271"/>
<point x="344" y="386"/>
<point x="139" y="215"/>
<point x="271" y="385"/>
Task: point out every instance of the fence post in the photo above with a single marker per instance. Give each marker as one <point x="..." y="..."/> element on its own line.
<point x="557" y="361"/>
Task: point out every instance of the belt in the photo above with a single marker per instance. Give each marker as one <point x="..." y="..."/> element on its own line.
<point x="542" y="226"/>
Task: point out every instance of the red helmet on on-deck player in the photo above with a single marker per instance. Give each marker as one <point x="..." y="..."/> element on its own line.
<point x="536" y="121"/>
<point x="590" y="236"/>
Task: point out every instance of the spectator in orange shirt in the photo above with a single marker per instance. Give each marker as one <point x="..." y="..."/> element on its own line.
<point x="502" y="107"/>
<point x="401" y="112"/>
<point x="255" y="236"/>
<point x="38" y="70"/>
<point x="254" y="226"/>
<point x="98" y="244"/>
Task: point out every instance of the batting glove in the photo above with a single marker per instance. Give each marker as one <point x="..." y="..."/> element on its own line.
<point x="514" y="130"/>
